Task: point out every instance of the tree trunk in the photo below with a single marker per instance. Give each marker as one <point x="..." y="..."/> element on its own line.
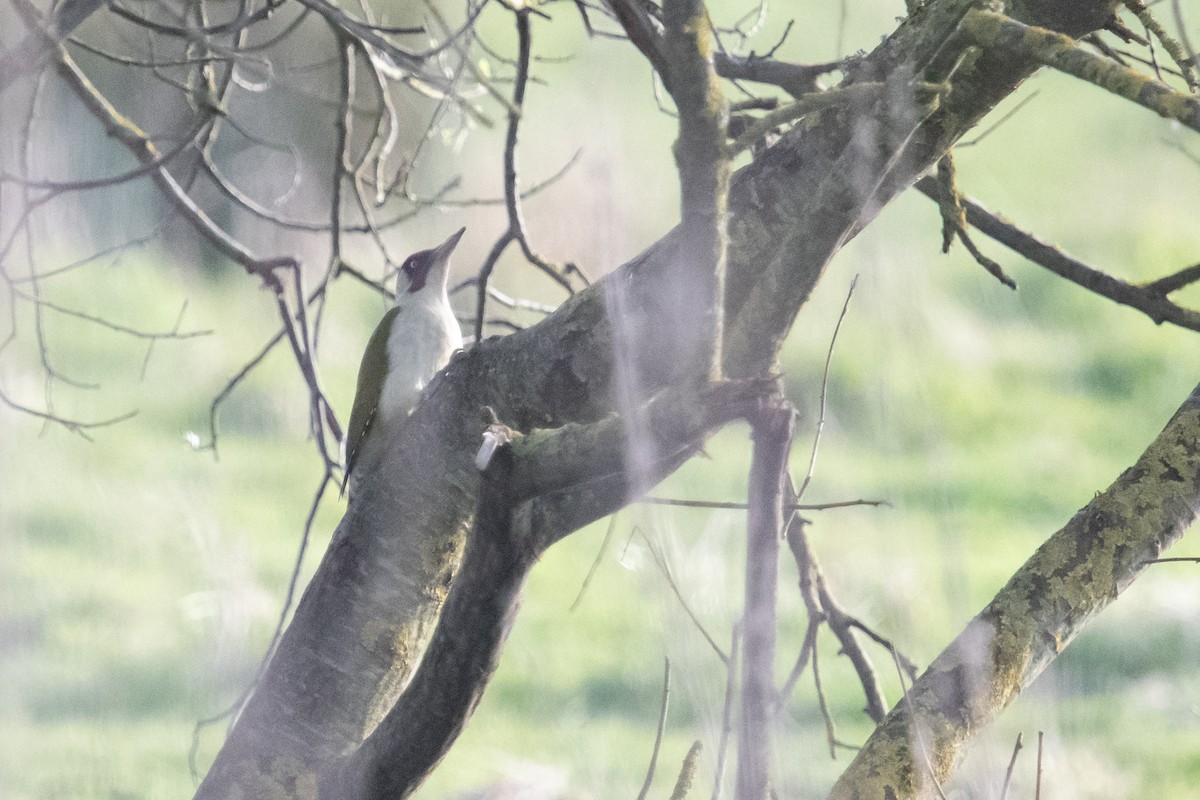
<point x="365" y="617"/>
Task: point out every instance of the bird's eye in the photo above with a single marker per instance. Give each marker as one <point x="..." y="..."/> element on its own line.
<point x="416" y="267"/>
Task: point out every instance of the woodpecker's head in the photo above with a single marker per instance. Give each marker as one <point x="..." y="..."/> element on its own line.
<point x="426" y="268"/>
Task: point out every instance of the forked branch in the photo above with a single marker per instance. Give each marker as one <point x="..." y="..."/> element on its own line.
<point x="535" y="490"/>
<point x="515" y="231"/>
<point x="1149" y="298"/>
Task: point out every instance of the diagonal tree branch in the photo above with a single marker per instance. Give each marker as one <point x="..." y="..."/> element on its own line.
<point x="523" y="481"/>
<point x="143" y="149"/>
<point x="645" y="32"/>
<point x="1076" y="573"/>
<point x="1151" y="299"/>
<point x="1060" y="52"/>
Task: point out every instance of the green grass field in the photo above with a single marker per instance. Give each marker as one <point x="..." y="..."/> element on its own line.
<point x="140" y="579"/>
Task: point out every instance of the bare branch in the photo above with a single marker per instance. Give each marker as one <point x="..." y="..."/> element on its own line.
<point x="405" y="65"/>
<point x="1056" y="50"/>
<point x="797" y="80"/>
<point x="1186" y="63"/>
<point x="1175" y="281"/>
<point x="515" y="231"/>
<point x="73" y="425"/>
<point x="1012" y="763"/>
<point x="806" y="104"/>
<point x="144" y="150"/>
<point x="662" y="727"/>
<point x="831" y="740"/>
<point x="823" y="607"/>
<point x="1086" y="565"/>
<point x="731" y="671"/>
<point x="954" y="219"/>
<point x="1144" y="298"/>
<point x="816" y="445"/>
<point x="188" y="140"/>
<point x="109" y="324"/>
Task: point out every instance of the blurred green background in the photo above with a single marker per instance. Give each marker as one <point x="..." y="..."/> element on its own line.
<point x="140" y="579"/>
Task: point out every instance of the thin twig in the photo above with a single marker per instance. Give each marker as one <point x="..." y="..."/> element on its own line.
<point x="145" y="151"/>
<point x="587" y="581"/>
<point x="662" y="726"/>
<point x="808" y="104"/>
<point x="806" y="651"/>
<point x="403" y="63"/>
<point x="954" y="219"/>
<point x="73" y="425"/>
<point x="150" y="344"/>
<point x="1175" y="281"/>
<point x="661" y="563"/>
<point x="1177" y="52"/>
<point x="232" y="384"/>
<point x="1037" y="794"/>
<point x="831" y="739"/>
<point x="289" y="596"/>
<point x="731" y="670"/>
<point x="1012" y="763"/>
<point x="823" y="607"/>
<point x="812" y="458"/>
<point x="116" y="327"/>
<point x="519" y="303"/>
<point x="990" y="129"/>
<point x="515" y="231"/>
<point x="736" y="506"/>
<point x="916" y="727"/>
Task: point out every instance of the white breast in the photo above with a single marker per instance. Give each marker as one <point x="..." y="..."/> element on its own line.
<point x="423" y="337"/>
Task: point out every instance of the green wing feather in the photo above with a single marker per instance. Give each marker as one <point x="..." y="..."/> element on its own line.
<point x="371" y="374"/>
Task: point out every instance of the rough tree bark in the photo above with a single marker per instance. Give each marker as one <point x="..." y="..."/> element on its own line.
<point x="1071" y="578"/>
<point x="364" y="619"/>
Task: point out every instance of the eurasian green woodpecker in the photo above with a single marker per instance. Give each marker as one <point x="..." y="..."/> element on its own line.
<point x="412" y="342"/>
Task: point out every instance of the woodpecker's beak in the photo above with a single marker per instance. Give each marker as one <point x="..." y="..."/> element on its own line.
<point x="441" y="253"/>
